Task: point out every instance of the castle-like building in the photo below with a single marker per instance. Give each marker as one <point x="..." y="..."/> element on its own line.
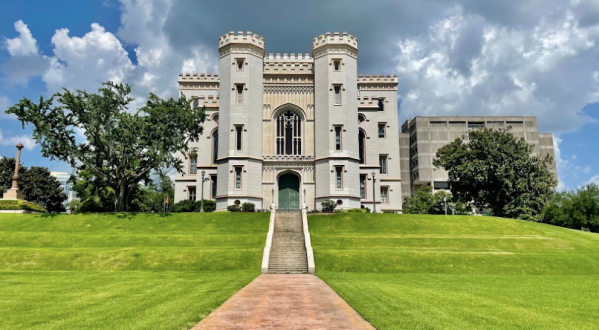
<point x="293" y="129"/>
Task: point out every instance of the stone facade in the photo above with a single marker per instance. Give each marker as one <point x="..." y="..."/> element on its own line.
<point x="310" y="116"/>
<point x="421" y="137"/>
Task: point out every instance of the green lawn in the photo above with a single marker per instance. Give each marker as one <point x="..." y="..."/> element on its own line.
<point x="437" y="272"/>
<point x="116" y="271"/>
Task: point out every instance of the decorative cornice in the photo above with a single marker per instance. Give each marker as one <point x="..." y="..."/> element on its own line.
<point x="289" y="89"/>
<point x="248" y="49"/>
<point x="288" y="158"/>
<point x="289" y="79"/>
<point x="336" y="49"/>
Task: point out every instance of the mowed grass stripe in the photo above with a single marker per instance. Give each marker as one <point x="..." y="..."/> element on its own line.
<point x="437" y="272"/>
<point x="124" y="271"/>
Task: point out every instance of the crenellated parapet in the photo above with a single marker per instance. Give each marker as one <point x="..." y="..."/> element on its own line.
<point x="377" y="82"/>
<point x="241" y="42"/>
<point x="336" y="43"/>
<point x="202" y="81"/>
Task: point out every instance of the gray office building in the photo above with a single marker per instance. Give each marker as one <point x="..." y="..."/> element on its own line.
<point x="421" y="137"/>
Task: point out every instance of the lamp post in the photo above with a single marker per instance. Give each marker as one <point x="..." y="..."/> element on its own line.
<point x="14" y="192"/>
<point x="445" y="202"/>
<point x="373" y="194"/>
<point x="202" y="193"/>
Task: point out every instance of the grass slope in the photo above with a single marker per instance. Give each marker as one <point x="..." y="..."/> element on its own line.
<point x="117" y="271"/>
<point x="438" y="272"/>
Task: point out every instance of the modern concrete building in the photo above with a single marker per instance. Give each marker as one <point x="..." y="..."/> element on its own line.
<point x="421" y="137"/>
<point x="293" y="129"/>
<point x="63" y="178"/>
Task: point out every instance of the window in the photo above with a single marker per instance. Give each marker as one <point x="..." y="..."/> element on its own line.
<point x="381" y="104"/>
<point x="337" y="65"/>
<point x="362" y="146"/>
<point x="238" y="177"/>
<point x="415" y="163"/>
<point x="339" y="176"/>
<point x="239" y="63"/>
<point x="337" y="89"/>
<point x="414" y="151"/>
<point x="441" y="185"/>
<point x="338" y="137"/>
<point x="214" y="146"/>
<point x="382" y="130"/>
<point x="383" y="164"/>
<point x="238" y="136"/>
<point x="385" y="195"/>
<point x="239" y="89"/>
<point x="415" y="175"/>
<point x="191" y="193"/>
<point x="363" y="186"/>
<point x="476" y="124"/>
<point x="289" y="133"/>
<point x="193" y="164"/>
<point x="413" y="139"/>
<point x="213" y="182"/>
<point x="196" y="102"/>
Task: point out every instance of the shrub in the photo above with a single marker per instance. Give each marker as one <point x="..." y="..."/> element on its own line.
<point x="328" y="206"/>
<point x="209" y="205"/>
<point x="185" y="205"/>
<point x="248" y="207"/>
<point x="367" y="209"/>
<point x="21" y="205"/>
<point x="388" y="211"/>
<point x="357" y="210"/>
<point x="233" y="208"/>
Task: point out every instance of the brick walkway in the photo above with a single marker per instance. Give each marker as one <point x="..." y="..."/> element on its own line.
<point x="285" y="302"/>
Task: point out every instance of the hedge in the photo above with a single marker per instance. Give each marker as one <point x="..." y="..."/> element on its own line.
<point x="21" y="205"/>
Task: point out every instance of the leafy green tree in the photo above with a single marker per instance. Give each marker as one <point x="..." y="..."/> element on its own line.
<point x="495" y="170"/>
<point x="40" y="187"/>
<point x="92" y="193"/>
<point x="37" y="184"/>
<point x="575" y="209"/>
<point x="7" y="170"/>
<point x="121" y="148"/>
<point x="421" y="202"/>
<point x="425" y="202"/>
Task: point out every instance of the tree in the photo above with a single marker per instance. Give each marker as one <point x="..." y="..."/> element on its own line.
<point x="421" y="202"/>
<point x="92" y="193"/>
<point x="425" y="202"/>
<point x="575" y="209"/>
<point x="495" y="170"/>
<point x="37" y="184"/>
<point x="120" y="148"/>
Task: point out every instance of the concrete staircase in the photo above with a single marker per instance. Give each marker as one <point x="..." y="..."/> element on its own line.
<point x="288" y="252"/>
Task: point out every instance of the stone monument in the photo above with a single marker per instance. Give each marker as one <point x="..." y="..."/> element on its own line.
<point x="14" y="193"/>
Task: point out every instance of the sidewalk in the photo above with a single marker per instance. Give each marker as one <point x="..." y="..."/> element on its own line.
<point x="285" y="302"/>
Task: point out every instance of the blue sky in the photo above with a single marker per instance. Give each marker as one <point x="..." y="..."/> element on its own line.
<point x="452" y="57"/>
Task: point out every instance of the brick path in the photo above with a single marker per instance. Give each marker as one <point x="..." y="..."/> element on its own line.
<point x="285" y="302"/>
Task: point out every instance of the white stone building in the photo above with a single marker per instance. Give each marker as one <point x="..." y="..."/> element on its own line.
<point x="293" y="129"/>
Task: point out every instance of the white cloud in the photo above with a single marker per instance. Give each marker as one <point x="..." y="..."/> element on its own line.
<point x="594" y="179"/>
<point x="85" y="62"/>
<point x="562" y="164"/>
<point x="28" y="142"/>
<point x="24" y="44"/>
<point x="4" y="103"/>
<point x="467" y="64"/>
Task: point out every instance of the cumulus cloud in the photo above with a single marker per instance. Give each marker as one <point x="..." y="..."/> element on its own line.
<point x="28" y="142"/>
<point x="23" y="45"/>
<point x="466" y="64"/>
<point x="4" y="103"/>
<point x="85" y="62"/>
<point x="594" y="179"/>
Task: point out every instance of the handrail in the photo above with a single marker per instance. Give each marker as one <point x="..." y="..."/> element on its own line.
<point x="309" y="251"/>
<point x="271" y="230"/>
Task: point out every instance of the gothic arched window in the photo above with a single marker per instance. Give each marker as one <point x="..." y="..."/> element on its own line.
<point x="215" y="146"/>
<point x="289" y="133"/>
<point x="362" y="146"/>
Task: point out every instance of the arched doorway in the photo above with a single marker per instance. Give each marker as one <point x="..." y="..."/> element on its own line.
<point x="289" y="186"/>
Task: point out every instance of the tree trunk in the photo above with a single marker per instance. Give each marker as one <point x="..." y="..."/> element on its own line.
<point x="121" y="202"/>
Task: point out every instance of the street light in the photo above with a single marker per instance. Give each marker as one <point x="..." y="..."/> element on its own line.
<point x="445" y="202"/>
<point x="373" y="194"/>
<point x="202" y="193"/>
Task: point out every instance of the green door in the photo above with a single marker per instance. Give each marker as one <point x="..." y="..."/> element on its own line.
<point x="289" y="191"/>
